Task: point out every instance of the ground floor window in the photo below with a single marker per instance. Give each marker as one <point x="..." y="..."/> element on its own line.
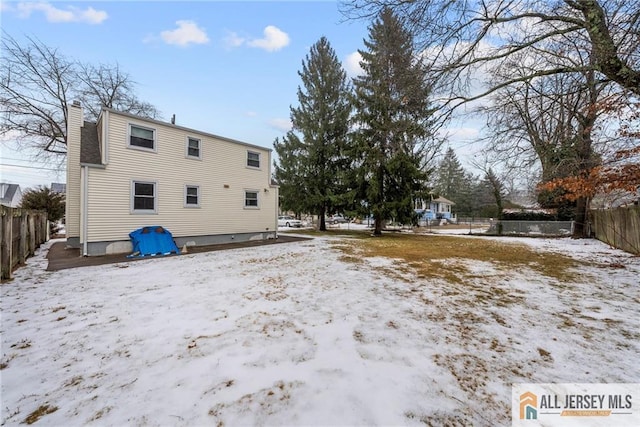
<point x="251" y="199"/>
<point x="143" y="197"/>
<point x="192" y="196"/>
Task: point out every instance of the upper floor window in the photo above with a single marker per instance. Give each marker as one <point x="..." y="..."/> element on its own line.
<point x="142" y="137"/>
<point x="193" y="147"/>
<point x="143" y="197"/>
<point x="253" y="159"/>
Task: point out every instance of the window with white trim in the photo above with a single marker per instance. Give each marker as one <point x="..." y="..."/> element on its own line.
<point x="251" y="199"/>
<point x="191" y="196"/>
<point x="143" y="197"/>
<point x="141" y="137"/>
<point x="253" y="159"/>
<point x="193" y="147"/>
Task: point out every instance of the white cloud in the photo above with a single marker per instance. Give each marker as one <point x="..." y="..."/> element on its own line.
<point x="187" y="33"/>
<point x="53" y="14"/>
<point x="233" y="40"/>
<point x="283" y="125"/>
<point x="274" y="39"/>
<point x="351" y="64"/>
<point x="251" y="114"/>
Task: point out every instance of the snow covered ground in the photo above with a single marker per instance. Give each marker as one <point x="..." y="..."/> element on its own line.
<point x="294" y="334"/>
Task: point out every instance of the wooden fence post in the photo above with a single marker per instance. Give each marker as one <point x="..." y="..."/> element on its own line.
<point x="23" y="244"/>
<point x="6" y="243"/>
<point x="32" y="234"/>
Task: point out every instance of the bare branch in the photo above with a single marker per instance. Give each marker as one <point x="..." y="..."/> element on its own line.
<point x="37" y="82"/>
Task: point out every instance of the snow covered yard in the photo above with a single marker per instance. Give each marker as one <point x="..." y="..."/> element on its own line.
<point x="310" y="333"/>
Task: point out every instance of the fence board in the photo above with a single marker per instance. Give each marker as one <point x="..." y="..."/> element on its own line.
<point x="21" y="233"/>
<point x="618" y="227"/>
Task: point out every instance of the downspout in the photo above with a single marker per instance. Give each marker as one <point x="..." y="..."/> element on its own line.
<point x="85" y="206"/>
<point x="277" y="190"/>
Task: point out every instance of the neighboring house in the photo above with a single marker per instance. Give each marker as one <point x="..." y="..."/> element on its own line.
<point x="58" y="188"/>
<point x="125" y="172"/>
<point x="615" y="199"/>
<point x="434" y="208"/>
<point x="10" y="195"/>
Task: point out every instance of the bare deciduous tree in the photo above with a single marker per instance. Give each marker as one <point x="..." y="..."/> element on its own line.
<point x="552" y="120"/>
<point x="37" y="82"/>
<point x="461" y="36"/>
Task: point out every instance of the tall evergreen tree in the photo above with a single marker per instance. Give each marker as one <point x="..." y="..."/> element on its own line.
<point x="322" y="121"/>
<point x="450" y="175"/>
<point x="289" y="173"/>
<point x="453" y="182"/>
<point x="497" y="190"/>
<point x="392" y="120"/>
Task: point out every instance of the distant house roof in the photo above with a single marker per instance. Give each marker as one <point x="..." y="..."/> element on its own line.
<point x="443" y="200"/>
<point x="57" y="187"/>
<point x="90" y="145"/>
<point x="10" y="195"/>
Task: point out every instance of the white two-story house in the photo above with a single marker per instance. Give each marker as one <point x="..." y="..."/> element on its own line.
<point x="125" y="172"/>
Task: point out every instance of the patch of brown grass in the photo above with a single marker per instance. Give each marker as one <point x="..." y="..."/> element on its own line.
<point x="357" y="234"/>
<point x="39" y="413"/>
<point x="438" y="256"/>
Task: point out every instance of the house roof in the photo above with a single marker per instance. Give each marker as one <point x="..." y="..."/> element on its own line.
<point x="195" y="131"/>
<point x="90" y="145"/>
<point x="57" y="187"/>
<point x="443" y="200"/>
<point x="7" y="192"/>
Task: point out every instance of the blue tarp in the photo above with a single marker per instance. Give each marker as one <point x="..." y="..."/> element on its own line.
<point x="152" y="241"/>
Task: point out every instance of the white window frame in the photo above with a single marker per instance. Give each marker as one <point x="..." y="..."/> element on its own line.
<point x="259" y="159"/>
<point x="191" y="205"/>
<point x="199" y="156"/>
<point x="257" y="199"/>
<point x="137" y="147"/>
<point x="133" y="196"/>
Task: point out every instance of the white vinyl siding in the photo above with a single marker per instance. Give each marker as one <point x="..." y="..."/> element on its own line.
<point x="221" y="176"/>
<point x="144" y="197"/>
<point x="142" y="138"/>
<point x="193" y="148"/>
<point x="253" y="159"/>
<point x="192" y="196"/>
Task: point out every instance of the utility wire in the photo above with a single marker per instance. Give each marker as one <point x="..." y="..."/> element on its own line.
<point x="31" y="167"/>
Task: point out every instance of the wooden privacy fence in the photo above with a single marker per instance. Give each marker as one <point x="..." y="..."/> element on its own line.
<point x="21" y="232"/>
<point x="618" y="227"/>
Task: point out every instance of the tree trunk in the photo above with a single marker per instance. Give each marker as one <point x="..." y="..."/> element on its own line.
<point x="580" y="224"/>
<point x="322" y="225"/>
<point x="377" y="230"/>
<point x="587" y="160"/>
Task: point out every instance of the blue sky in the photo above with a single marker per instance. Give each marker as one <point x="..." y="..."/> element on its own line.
<point x="228" y="68"/>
